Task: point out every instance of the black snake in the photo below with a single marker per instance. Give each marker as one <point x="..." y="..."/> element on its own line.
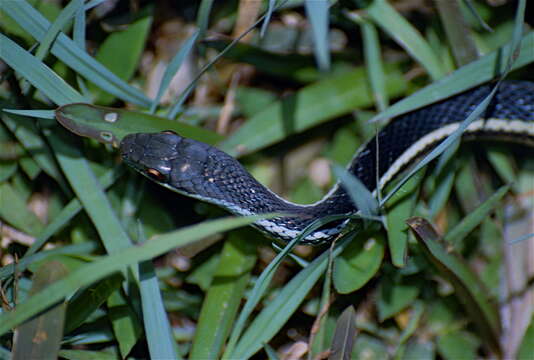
<point x="203" y="172"/>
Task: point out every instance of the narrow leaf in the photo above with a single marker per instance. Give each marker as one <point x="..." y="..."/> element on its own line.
<point x="344" y="336"/>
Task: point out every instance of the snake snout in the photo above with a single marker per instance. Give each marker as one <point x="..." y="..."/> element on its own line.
<point x="130" y="149"/>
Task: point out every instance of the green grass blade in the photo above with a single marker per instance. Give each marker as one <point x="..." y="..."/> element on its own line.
<point x="263" y="282"/>
<point x="455" y="136"/>
<point x="359" y="194"/>
<point x="42" y="114"/>
<point x="69" y="53"/>
<point x="203" y="17"/>
<point x="468" y="76"/>
<point x="53" y="31"/>
<point x="269" y="13"/>
<point x="114" y="263"/>
<point x="398" y="209"/>
<point x="469" y="288"/>
<point x="373" y="60"/>
<point x="474" y="218"/>
<point x="157" y="328"/>
<point x="373" y="63"/>
<point x="317" y="13"/>
<point x="87" y="355"/>
<point x="176" y="108"/>
<point x="13" y="209"/>
<point x="442" y="192"/>
<point x="276" y="313"/>
<point x="27" y="260"/>
<point x="224" y="295"/>
<point x="158" y="331"/>
<point x="40" y="338"/>
<point x="90" y="192"/>
<point x="257" y="292"/>
<point x="502" y="162"/>
<point x="344" y="335"/>
<point x="476" y="15"/>
<point x="406" y="36"/>
<point x="87" y="301"/>
<point x="27" y="133"/>
<point x="37" y="73"/>
<point x="459" y="35"/>
<point x="78" y="33"/>
<point x="127" y="329"/>
<point x="67" y="213"/>
<point x="173" y="68"/>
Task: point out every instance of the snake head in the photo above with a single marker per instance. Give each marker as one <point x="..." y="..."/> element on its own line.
<point x="174" y="161"/>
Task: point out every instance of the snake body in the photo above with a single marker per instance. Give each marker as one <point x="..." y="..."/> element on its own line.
<point x="201" y="171"/>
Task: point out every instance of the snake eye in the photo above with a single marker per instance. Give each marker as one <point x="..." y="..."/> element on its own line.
<point x="155" y="174"/>
<point x="170" y="132"/>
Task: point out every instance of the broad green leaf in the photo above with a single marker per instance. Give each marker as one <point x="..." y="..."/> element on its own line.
<point x="110" y="125"/>
<point x="458" y="344"/>
<point x="395" y="296"/>
<point x="358" y="263"/>
<point x="121" y="52"/>
<point x="310" y="106"/>
<point x="368" y="347"/>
